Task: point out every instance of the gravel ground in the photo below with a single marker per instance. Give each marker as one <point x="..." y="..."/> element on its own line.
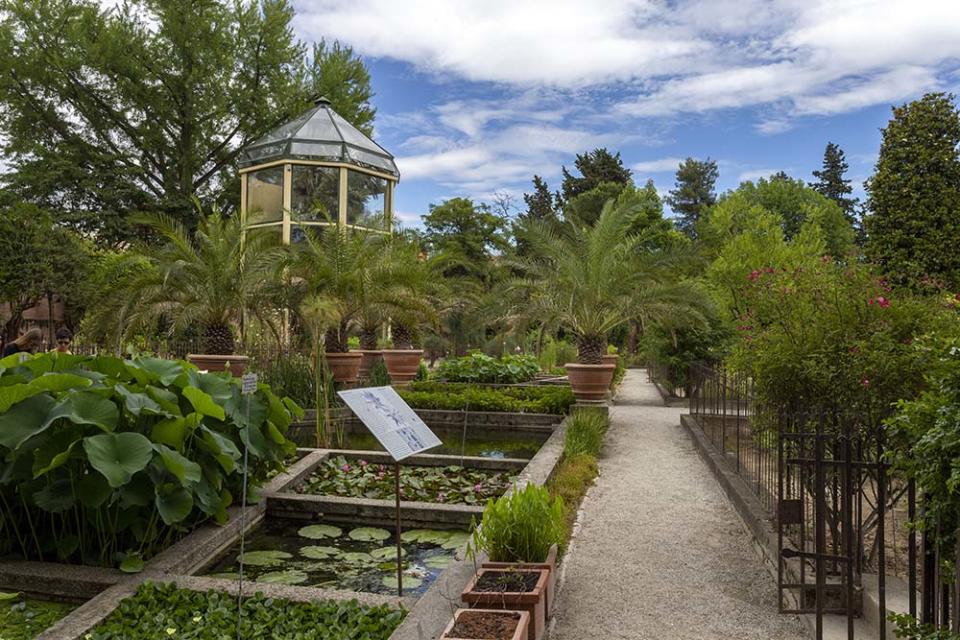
<point x="659" y="553"/>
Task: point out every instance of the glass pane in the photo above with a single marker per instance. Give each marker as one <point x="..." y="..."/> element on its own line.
<point x="316" y="193"/>
<point x="265" y="195"/>
<point x="265" y="237"/>
<point x="366" y="200"/>
<point x="299" y="232"/>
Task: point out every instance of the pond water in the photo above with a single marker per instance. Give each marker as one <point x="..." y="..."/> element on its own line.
<point x="485" y="444"/>
<point x="339" y="557"/>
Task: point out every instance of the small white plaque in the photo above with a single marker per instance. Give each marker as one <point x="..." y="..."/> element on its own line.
<point x="401" y="431"/>
<point x="249" y="382"/>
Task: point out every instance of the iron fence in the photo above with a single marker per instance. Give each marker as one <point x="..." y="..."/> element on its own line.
<point x="842" y="517"/>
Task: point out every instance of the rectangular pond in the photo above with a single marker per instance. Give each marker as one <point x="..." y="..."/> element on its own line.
<point x="339" y="557"/>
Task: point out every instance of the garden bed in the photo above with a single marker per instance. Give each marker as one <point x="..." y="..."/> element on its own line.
<point x="26" y="618"/>
<point x="359" y="478"/>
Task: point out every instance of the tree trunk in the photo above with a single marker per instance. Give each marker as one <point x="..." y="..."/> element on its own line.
<point x="590" y="349"/>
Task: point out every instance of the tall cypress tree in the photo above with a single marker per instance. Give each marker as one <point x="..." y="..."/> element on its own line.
<point x="540" y="204"/>
<point x="830" y="181"/>
<point x="694" y="192"/>
<point x="914" y="196"/>
<point x="596" y="167"/>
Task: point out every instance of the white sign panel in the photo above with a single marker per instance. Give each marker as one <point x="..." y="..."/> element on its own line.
<point x="401" y="431"/>
<point x="249" y="382"/>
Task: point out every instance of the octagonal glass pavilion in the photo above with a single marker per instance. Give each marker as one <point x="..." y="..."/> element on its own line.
<point x="315" y="171"/>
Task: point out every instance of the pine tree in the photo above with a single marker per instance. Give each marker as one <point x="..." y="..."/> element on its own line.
<point x="694" y="192"/>
<point x="914" y="195"/>
<point x="596" y="167"/>
<point x="540" y="202"/>
<point x="832" y="183"/>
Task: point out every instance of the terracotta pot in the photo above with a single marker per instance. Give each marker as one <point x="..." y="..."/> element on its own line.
<point x="519" y="634"/>
<point x="533" y="602"/>
<point x="205" y="362"/>
<point x="370" y="358"/>
<point x="550" y="564"/>
<point x="344" y="367"/>
<point x="402" y="364"/>
<point x="610" y="358"/>
<point x="590" y="381"/>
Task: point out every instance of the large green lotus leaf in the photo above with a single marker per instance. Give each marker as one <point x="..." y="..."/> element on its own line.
<point x="456" y="540"/>
<point x="357" y="557"/>
<point x="159" y="370"/>
<point x="438" y="562"/>
<point x="207" y="498"/>
<point x="203" y="403"/>
<point x="166" y="399"/>
<point x="118" y="455"/>
<point x="171" y="431"/>
<point x="56" y="497"/>
<point x="245" y="409"/>
<point x="24" y="420"/>
<point x="253" y="438"/>
<point x="213" y="384"/>
<point x="65" y="361"/>
<point x="387" y="553"/>
<point x="290" y="576"/>
<point x="320" y="531"/>
<point x="368" y="533"/>
<point x="110" y="366"/>
<point x="319" y="553"/>
<point x="86" y="407"/>
<point x="409" y="582"/>
<point x="174" y="506"/>
<point x="268" y="558"/>
<point x="54" y="382"/>
<point x="94" y="490"/>
<point x="139" y="492"/>
<point x="55" y="451"/>
<point x="137" y="402"/>
<point x="186" y="471"/>
<point x="224" y="450"/>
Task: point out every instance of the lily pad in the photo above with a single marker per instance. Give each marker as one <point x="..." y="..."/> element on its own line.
<point x="367" y="534"/>
<point x="320" y="531"/>
<point x="438" y="562"/>
<point x="387" y="553"/>
<point x="456" y="540"/>
<point x="409" y="582"/>
<point x="265" y="558"/>
<point x="290" y="576"/>
<point x="319" y="553"/>
<point x="357" y="557"/>
<point x="8" y="595"/>
<point x="427" y="536"/>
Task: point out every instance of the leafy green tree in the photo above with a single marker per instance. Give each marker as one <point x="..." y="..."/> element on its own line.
<point x="468" y="234"/>
<point x="112" y="111"/>
<point x="585" y="207"/>
<point x="832" y="183"/>
<point x="914" y="195"/>
<point x="37" y="260"/>
<point x="205" y="281"/>
<point x="693" y="193"/>
<point x="595" y="167"/>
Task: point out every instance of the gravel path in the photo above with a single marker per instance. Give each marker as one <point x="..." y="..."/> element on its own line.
<point x="660" y="554"/>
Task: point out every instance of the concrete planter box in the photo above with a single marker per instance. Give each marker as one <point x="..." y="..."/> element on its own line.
<point x="519" y="634"/>
<point x="533" y="601"/>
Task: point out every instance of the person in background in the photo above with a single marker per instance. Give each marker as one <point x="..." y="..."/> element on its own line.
<point x="28" y="342"/>
<point x="64" y="337"/>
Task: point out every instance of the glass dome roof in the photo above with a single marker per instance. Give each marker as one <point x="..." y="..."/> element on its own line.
<point x="319" y="134"/>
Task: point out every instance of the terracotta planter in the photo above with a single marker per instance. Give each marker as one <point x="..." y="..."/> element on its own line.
<point x="550" y="564"/>
<point x="590" y="381"/>
<point x="610" y="358"/>
<point x="402" y="364"/>
<point x="533" y="601"/>
<point x="344" y="367"/>
<point x="236" y="364"/>
<point x="370" y="358"/>
<point x="520" y="633"/>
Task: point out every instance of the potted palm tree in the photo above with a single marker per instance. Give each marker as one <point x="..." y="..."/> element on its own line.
<point x="204" y="281"/>
<point x="589" y="279"/>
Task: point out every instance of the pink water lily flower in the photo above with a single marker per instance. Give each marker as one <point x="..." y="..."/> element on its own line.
<point x="345" y="467"/>
<point x="363" y="463"/>
<point x="478" y="487"/>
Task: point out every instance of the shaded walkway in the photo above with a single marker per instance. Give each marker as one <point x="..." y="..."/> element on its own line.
<point x="660" y="554"/>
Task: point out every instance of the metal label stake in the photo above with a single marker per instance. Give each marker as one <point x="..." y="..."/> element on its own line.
<point x="249" y="387"/>
<point x="396" y="469"/>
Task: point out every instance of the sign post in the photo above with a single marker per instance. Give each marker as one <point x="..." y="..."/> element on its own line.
<point x="248" y="386"/>
<point x="399" y="429"/>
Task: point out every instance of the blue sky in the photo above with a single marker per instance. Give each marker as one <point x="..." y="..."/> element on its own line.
<point x="476" y="96"/>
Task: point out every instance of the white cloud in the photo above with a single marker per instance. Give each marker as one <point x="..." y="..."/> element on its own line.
<point x="755" y="174"/>
<point x="663" y="165"/>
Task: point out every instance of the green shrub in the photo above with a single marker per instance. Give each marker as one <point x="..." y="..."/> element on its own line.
<point x="910" y="629"/>
<point x="570" y="481"/>
<point x="25" y="619"/>
<point x="520" y="526"/>
<point x="157" y="608"/>
<point x="585" y="433"/>
<point x="109" y="460"/>
<point x="458" y="396"/>
<point x="422" y="372"/>
<point x="288" y="374"/>
<point x="556" y="353"/>
<point x="481" y="368"/>
<point x="378" y="375"/>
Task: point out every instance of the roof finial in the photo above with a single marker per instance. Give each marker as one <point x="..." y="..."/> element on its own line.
<point x="321" y="100"/>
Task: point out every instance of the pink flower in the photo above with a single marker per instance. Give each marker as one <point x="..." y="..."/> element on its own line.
<point x="825" y="259"/>
<point x="345" y="467"/>
<point x="441" y="497"/>
<point x="478" y="487"/>
<point x="883" y="302"/>
<point x="753" y="275"/>
<point x="870" y="301"/>
<point x="771" y="270"/>
<point x="865" y="382"/>
<point x="381" y="475"/>
<point x="363" y="463"/>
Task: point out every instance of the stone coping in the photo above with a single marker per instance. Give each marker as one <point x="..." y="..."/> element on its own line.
<point x="337" y="509"/>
